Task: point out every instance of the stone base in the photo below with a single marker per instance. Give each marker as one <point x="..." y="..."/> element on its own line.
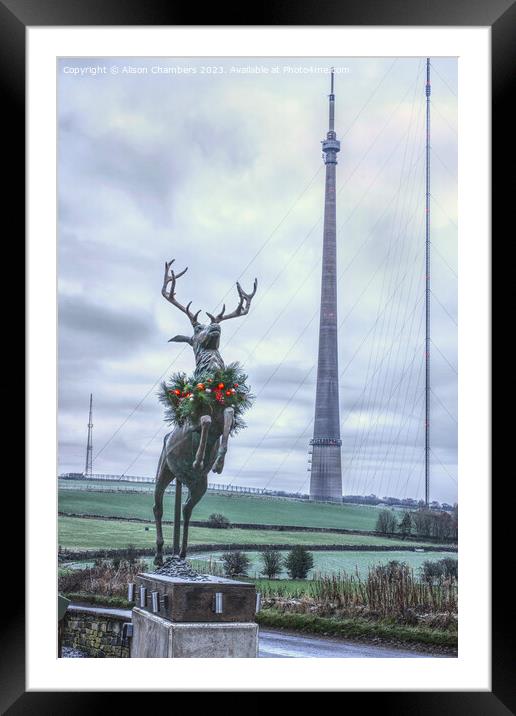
<point x="158" y="638"/>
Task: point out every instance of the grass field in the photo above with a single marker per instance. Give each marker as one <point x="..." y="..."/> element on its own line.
<point x="324" y="563"/>
<point x="332" y="562"/>
<point x="81" y="533"/>
<point x="358" y="628"/>
<point x="237" y="508"/>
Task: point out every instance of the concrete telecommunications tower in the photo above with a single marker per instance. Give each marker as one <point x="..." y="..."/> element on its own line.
<point x="326" y="473"/>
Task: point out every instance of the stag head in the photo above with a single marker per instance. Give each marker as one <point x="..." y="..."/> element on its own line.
<point x="205" y="336"/>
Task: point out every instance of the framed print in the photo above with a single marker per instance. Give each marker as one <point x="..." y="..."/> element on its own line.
<point x="153" y="142"/>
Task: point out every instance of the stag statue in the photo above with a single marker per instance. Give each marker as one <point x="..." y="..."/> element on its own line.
<point x="205" y="440"/>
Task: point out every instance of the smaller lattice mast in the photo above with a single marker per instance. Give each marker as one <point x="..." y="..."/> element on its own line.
<point x="88" y="470"/>
<point x="427" y="290"/>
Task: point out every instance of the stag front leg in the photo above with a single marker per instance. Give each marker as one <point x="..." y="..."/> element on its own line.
<point x="164" y="477"/>
<point x="221" y="453"/>
<point x="198" y="463"/>
<point x="158" y="515"/>
<point x="196" y="492"/>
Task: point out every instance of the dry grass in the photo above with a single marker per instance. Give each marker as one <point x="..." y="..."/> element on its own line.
<point x="389" y="592"/>
<point x="106" y="577"/>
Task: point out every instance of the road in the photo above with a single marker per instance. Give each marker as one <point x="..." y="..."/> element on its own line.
<point x="276" y="644"/>
<point x="284" y="645"/>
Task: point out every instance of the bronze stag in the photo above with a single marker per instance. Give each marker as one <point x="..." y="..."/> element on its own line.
<point x="192" y="450"/>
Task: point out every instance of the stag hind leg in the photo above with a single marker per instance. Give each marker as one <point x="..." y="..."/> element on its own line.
<point x="163" y="478"/>
<point x="196" y="492"/>
<point x="221" y="453"/>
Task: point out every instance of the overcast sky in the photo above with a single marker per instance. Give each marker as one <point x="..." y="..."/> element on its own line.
<point x="222" y="171"/>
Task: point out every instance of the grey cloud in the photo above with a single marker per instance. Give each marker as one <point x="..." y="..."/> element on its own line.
<point x="100" y="329"/>
<point x="151" y="170"/>
<point x="145" y="173"/>
<point x="223" y="141"/>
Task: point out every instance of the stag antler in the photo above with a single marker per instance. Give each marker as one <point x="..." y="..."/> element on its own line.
<point x="170" y="278"/>
<point x="241" y="309"/>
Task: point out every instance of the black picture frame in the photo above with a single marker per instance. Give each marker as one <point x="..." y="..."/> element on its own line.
<point x="500" y="16"/>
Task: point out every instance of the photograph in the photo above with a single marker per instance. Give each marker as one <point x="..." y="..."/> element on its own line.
<point x="284" y="485"/>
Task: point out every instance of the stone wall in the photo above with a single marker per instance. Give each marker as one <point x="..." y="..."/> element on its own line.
<point x="69" y="555"/>
<point x="96" y="632"/>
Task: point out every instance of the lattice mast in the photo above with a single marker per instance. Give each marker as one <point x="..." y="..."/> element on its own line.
<point x="326" y="472"/>
<point x="427" y="291"/>
<point x="88" y="470"/>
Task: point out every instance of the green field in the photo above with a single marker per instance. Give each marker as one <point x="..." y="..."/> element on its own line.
<point x="82" y="533"/>
<point x="236" y="507"/>
<point x="331" y="562"/>
<point x="324" y="563"/>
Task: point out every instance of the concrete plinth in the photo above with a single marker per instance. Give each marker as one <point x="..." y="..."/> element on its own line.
<point x="155" y="638"/>
<point x="181" y="599"/>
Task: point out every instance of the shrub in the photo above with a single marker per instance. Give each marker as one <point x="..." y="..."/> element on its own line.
<point x="439" y="525"/>
<point x="101" y="579"/>
<point x="272" y="563"/>
<point x="131" y="553"/>
<point x="218" y="521"/>
<point x="386" y="522"/>
<point x="235" y="563"/>
<point x="115" y="563"/>
<point x="405" y="525"/>
<point x="71" y="580"/>
<point x="450" y="567"/>
<point x="299" y="562"/>
<point x="393" y="570"/>
<point x="433" y="571"/>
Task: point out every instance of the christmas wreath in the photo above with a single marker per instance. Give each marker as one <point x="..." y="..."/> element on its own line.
<point x="187" y="398"/>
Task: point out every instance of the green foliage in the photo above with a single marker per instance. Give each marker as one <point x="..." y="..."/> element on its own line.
<point x="392" y="571"/>
<point x="299" y="562"/>
<point x="386" y="522"/>
<point x="101" y="579"/>
<point x="101" y="600"/>
<point x="272" y="562"/>
<point x="434" y="571"/>
<point x="187" y="398"/>
<point x="131" y="553"/>
<point x="405" y="524"/>
<point x="356" y="628"/>
<point x="431" y="571"/>
<point x="218" y="521"/>
<point x="235" y="563"/>
<point x="450" y="567"/>
<point x="432" y="523"/>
